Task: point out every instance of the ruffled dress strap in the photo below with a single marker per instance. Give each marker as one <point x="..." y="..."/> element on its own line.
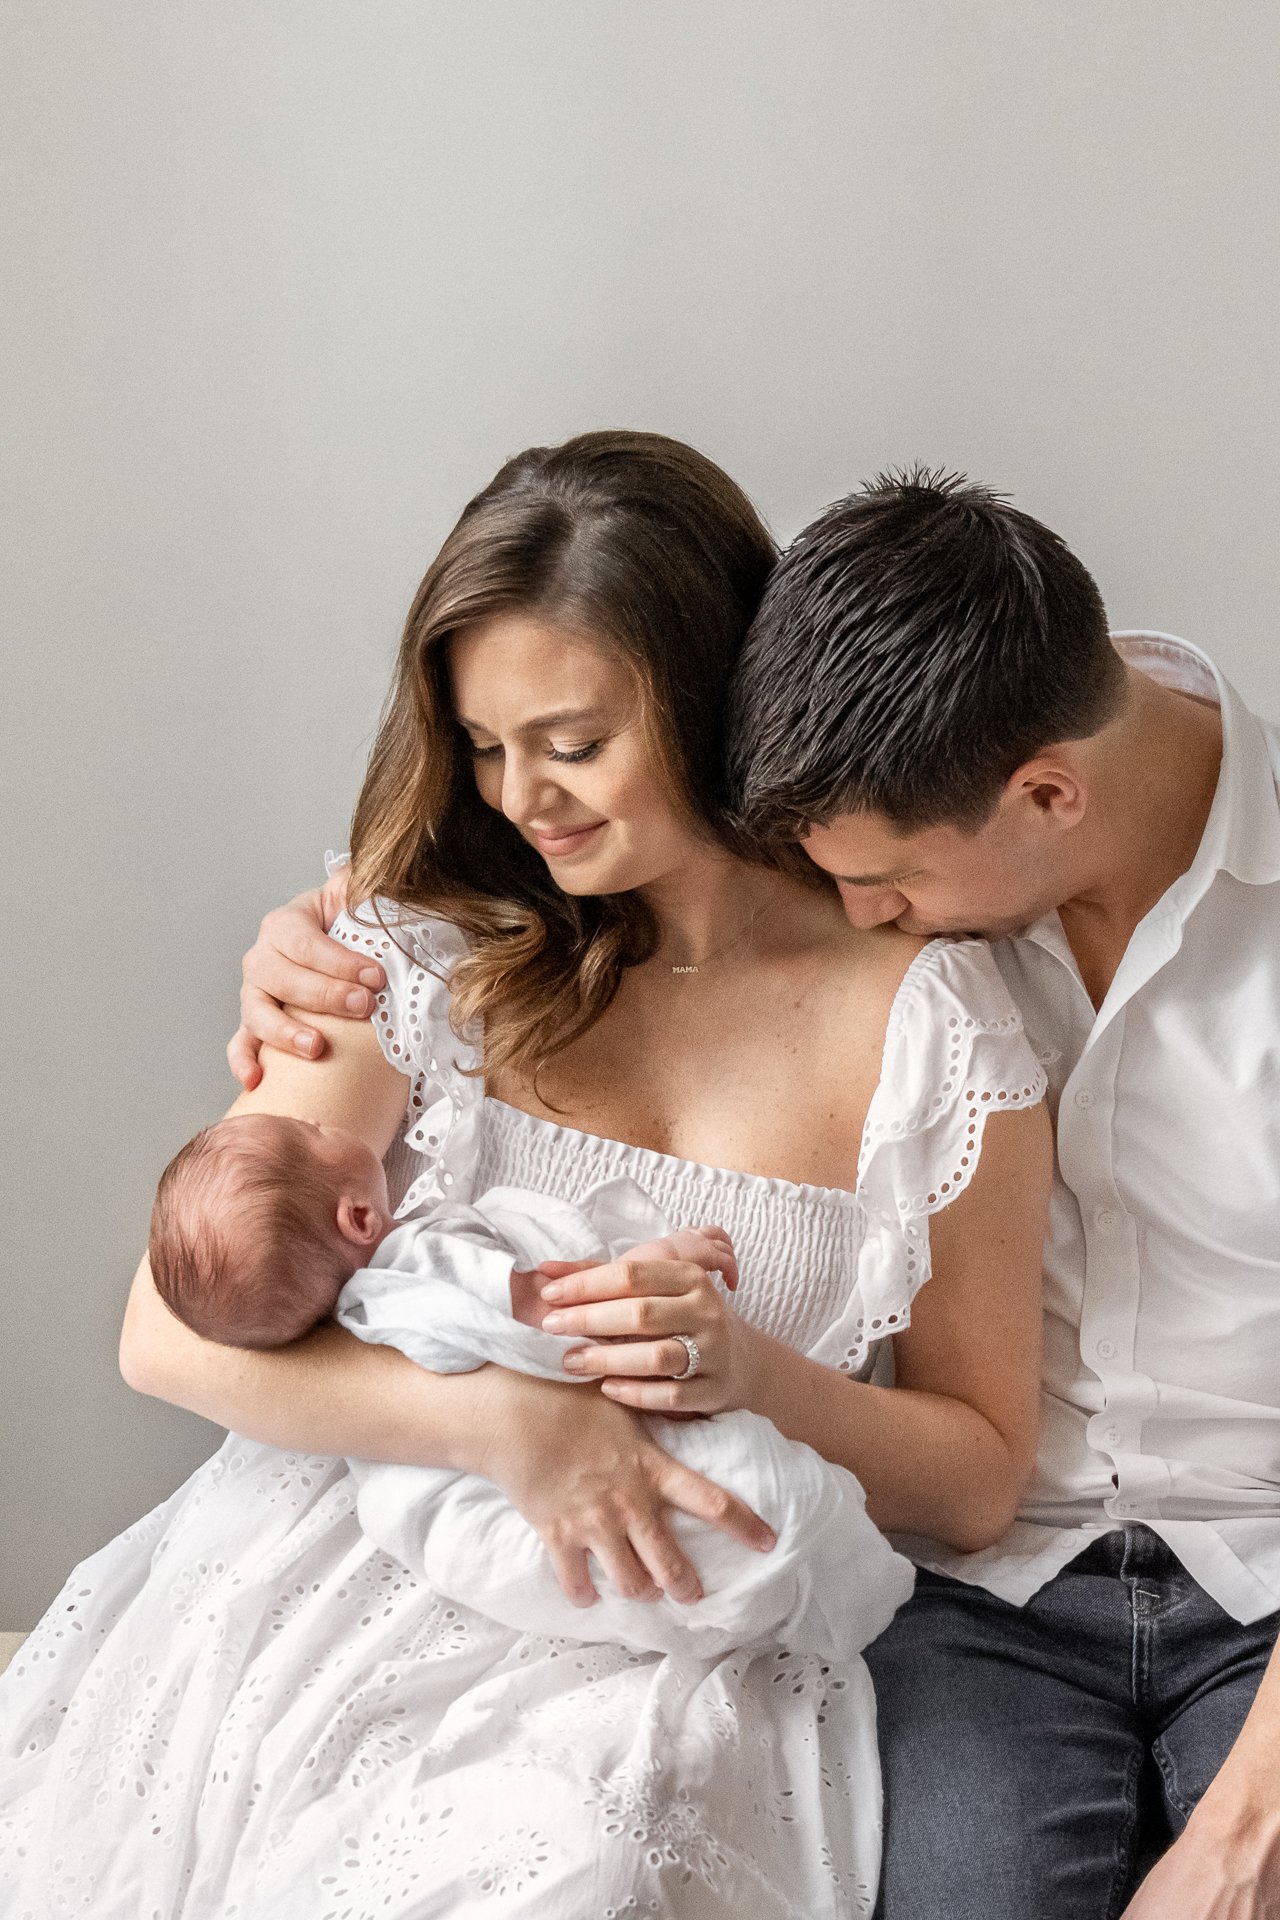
<point x="955" y="1052"/>
<point x="411" y="1020"/>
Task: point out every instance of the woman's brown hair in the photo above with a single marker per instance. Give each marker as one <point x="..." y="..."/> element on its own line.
<point x="629" y="539"/>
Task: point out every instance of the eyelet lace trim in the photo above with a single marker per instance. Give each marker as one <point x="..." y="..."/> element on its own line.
<point x="950" y="1074"/>
<point x="411" y="1020"/>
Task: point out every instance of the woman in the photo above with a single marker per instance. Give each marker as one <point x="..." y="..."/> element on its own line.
<point x="241" y="1707"/>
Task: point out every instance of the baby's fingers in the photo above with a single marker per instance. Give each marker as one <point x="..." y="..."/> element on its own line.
<point x="559" y="1269"/>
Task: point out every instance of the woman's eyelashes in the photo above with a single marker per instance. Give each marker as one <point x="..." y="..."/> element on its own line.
<point x="575" y="755"/>
<point x="566" y="756"/>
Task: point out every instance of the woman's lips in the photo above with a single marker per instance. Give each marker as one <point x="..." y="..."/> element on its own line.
<point x="555" y="846"/>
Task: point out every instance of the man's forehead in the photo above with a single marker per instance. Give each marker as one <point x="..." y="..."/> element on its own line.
<point x="863" y="851"/>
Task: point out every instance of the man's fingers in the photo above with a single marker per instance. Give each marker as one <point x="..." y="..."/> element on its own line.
<point x="271" y="1026"/>
<point x="242" y="1058"/>
<point x="681" y="1487"/>
<point x="297" y="933"/>
<point x="290" y="984"/>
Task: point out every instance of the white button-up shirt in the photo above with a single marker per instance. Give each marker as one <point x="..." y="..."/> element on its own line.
<point x="1161" y="1397"/>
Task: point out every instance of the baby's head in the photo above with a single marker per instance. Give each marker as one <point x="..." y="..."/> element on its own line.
<point x="258" y="1224"/>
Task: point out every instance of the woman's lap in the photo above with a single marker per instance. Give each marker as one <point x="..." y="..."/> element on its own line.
<point x="242" y="1708"/>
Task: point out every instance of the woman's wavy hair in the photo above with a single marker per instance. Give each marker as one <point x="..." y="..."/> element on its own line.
<point x="628" y="539"/>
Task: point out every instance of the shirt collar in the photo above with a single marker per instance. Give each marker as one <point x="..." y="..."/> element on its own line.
<point x="1242" y="833"/>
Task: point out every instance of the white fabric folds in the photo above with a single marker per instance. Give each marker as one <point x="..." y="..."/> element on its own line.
<point x="439" y="1289"/>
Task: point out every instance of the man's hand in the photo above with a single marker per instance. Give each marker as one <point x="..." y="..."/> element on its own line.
<point x="1212" y="1873"/>
<point x="294" y="961"/>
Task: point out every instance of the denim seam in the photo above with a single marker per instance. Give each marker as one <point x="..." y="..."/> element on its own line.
<point x="1169" y="1774"/>
<point x="1127" y="1833"/>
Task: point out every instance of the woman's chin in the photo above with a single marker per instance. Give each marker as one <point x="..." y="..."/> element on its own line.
<point x="582" y="878"/>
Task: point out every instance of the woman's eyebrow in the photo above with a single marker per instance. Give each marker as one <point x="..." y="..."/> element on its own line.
<point x="566" y="716"/>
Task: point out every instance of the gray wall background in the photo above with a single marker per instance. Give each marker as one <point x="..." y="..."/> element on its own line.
<point x="288" y="278"/>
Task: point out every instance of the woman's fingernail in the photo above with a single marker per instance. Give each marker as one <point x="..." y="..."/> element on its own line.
<point x="357" y="1001"/>
<point x="574" y="1363"/>
<point x="769" y="1542"/>
<point x="307" y="1043"/>
<point x="552" y="1322"/>
<point x="553" y="1292"/>
<point x="371" y="977"/>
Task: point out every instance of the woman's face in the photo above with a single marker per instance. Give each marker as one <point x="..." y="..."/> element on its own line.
<point x="559" y="747"/>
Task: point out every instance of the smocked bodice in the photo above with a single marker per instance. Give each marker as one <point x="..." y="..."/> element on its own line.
<point x="797" y="1246"/>
<point x="829" y="1272"/>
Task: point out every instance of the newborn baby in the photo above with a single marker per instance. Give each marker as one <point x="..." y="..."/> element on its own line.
<point x="258" y="1224"/>
<point x="261" y="1221"/>
<point x="265" y="1225"/>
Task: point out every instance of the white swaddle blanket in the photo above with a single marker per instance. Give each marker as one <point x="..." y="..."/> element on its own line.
<point x="439" y="1290"/>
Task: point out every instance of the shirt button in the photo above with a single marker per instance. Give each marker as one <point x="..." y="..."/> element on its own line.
<point x="1105" y="1219"/>
<point x="1084" y="1098"/>
<point x="1106" y="1349"/>
<point x="1124" y="1506"/>
<point x="1111" y="1436"/>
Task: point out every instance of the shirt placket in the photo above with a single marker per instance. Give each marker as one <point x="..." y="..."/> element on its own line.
<point x="1112" y="1279"/>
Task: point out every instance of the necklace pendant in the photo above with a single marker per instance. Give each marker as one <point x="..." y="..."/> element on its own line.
<point x="686" y="969"/>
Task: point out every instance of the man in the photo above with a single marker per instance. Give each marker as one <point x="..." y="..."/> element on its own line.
<point x="929" y="701"/>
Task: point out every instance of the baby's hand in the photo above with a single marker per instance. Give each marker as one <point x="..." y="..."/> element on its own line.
<point x="527" y="1303"/>
<point x="708" y="1247"/>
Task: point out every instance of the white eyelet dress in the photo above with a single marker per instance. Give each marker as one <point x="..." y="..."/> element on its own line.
<point x="241" y="1709"/>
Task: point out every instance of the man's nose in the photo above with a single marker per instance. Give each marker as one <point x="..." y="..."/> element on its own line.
<point x="872" y="906"/>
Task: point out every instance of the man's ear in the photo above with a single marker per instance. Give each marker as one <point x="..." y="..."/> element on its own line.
<point x="1051" y="788"/>
<point x="359" y="1222"/>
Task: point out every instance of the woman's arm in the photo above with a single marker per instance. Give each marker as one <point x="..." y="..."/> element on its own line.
<point x="287" y="1397"/>
<point x="585" y="1474"/>
<point x="948" y="1450"/>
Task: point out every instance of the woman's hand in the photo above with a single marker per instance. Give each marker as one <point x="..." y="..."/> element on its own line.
<point x="588" y="1479"/>
<point x="294" y="962"/>
<point x="640" y="1304"/>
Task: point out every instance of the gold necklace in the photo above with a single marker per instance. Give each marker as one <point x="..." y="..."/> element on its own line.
<point x="717" y="952"/>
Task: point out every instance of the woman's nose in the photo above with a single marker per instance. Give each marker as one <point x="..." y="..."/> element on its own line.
<point x="525" y="787"/>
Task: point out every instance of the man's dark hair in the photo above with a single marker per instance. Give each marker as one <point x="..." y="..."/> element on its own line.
<point x="917" y="644"/>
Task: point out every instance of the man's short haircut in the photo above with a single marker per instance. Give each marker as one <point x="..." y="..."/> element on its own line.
<point x="915" y="646"/>
<point x="244" y="1248"/>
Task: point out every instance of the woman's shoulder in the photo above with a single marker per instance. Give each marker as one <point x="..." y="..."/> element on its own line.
<point x="955" y="1049"/>
<point x="956" y="977"/>
<point x="394" y="934"/>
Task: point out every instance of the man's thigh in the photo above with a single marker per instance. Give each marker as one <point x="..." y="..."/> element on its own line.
<point x="1209" y="1668"/>
<point x="1012" y="1758"/>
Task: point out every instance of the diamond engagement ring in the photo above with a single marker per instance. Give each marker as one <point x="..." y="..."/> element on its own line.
<point x="695" y="1358"/>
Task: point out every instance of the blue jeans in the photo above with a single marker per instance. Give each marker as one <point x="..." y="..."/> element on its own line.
<point x="1038" y="1759"/>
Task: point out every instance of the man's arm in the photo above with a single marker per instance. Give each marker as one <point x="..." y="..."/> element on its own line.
<point x="1226" y="1864"/>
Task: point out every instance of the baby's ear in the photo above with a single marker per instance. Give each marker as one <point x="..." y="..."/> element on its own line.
<point x="359" y="1222"/>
